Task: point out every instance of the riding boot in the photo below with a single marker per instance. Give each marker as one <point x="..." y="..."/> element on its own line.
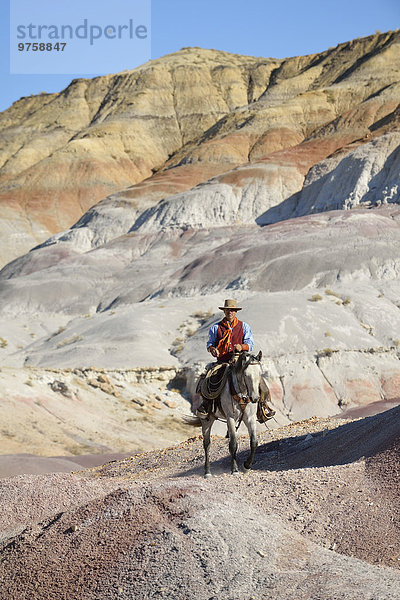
<point x="271" y="412"/>
<point x="205" y="408"/>
<point x="264" y="411"/>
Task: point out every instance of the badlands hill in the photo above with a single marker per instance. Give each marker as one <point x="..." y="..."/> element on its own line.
<point x="145" y="199"/>
<point x="208" y="175"/>
<point x="183" y="120"/>
<point x="318" y="517"/>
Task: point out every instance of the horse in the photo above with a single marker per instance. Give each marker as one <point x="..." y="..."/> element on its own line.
<point x="238" y="402"/>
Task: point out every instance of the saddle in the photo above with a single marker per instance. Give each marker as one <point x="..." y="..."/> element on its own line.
<point x="211" y="385"/>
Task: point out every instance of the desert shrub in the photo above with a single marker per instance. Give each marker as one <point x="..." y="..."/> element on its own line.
<point x="177" y="345"/>
<point x="315" y="298"/>
<point x="325" y="352"/>
<point x="330" y="97"/>
<point x="202" y="315"/>
<point x="346" y="301"/>
<point x="75" y="338"/>
<point x="329" y="292"/>
<point x="3" y="343"/>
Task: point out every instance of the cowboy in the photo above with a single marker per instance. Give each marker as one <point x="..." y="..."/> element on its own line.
<point x="227" y="337"/>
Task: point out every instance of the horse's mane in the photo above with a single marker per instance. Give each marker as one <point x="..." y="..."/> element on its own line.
<point x="245" y="359"/>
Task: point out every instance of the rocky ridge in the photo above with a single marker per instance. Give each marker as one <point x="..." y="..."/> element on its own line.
<point x="73" y="412"/>
<point x="307" y="520"/>
<point x="62" y="153"/>
<point x="282" y="190"/>
<point x="275" y="182"/>
<point x="319" y="291"/>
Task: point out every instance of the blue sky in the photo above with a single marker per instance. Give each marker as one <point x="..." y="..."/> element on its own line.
<point x="276" y="28"/>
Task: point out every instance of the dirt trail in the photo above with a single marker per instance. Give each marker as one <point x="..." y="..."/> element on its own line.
<point x="317" y="518"/>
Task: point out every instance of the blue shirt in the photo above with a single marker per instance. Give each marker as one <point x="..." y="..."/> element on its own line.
<point x="247" y="336"/>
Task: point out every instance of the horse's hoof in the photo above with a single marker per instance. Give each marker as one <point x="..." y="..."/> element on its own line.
<point x="245" y="470"/>
<point x="236" y="473"/>
<point x="207" y="475"/>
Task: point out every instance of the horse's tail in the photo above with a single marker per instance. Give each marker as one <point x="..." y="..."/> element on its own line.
<point x="192" y="420"/>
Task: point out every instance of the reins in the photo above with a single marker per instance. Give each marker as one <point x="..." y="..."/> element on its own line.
<point x="235" y="388"/>
<point x="242" y="398"/>
<point x="234" y="373"/>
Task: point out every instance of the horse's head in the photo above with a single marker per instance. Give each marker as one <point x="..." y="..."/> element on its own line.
<point x="248" y="369"/>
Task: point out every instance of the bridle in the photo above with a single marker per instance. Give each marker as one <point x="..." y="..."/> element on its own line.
<point x="242" y="396"/>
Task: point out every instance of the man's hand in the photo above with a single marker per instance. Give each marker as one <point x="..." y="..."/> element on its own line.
<point x="237" y="347"/>
<point x="213" y="351"/>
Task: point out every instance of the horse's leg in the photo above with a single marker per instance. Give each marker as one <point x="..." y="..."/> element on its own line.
<point x="251" y="424"/>
<point x="206" y="425"/>
<point x="232" y="444"/>
<point x="229" y="412"/>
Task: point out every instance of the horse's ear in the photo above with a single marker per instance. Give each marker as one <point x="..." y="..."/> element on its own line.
<point x="259" y="356"/>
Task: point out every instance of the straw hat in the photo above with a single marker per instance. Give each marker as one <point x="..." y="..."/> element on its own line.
<point x="230" y="304"/>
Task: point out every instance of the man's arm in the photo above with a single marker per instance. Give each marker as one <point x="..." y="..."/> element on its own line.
<point x="247" y="338"/>
<point x="212" y="340"/>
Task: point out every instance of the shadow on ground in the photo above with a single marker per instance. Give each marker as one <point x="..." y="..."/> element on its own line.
<point x="365" y="438"/>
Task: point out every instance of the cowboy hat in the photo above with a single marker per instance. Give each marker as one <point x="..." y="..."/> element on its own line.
<point x="230" y="304"/>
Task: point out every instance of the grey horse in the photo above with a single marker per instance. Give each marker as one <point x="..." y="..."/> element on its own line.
<point x="237" y="405"/>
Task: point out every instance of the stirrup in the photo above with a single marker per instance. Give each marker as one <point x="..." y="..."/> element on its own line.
<point x="202" y="411"/>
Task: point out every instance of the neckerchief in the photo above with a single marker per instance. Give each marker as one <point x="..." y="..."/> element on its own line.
<point x="225" y="341"/>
